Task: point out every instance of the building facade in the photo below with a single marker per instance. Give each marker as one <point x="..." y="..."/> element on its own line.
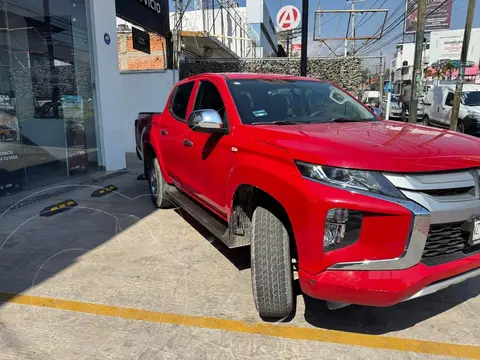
<point x="66" y="107"/>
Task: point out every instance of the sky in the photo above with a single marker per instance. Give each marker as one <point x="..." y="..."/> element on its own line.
<point x="336" y="25"/>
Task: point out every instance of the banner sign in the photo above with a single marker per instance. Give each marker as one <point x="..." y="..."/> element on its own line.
<point x="438" y="15"/>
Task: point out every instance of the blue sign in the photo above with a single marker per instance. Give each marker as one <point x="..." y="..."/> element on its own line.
<point x="106" y="38"/>
<point x="388" y="87"/>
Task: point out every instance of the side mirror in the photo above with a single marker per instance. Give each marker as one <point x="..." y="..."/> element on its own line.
<point x="206" y="121"/>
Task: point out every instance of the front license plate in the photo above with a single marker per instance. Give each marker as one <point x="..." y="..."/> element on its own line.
<point x="475" y="239"/>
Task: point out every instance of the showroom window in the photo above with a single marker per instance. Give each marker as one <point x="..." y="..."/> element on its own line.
<point x="47" y="118"/>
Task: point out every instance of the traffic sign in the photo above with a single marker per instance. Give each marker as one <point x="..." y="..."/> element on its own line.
<point x="388" y="87"/>
<point x="288" y="18"/>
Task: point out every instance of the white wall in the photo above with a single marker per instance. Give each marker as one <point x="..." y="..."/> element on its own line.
<point x="110" y="132"/>
<point x="141" y="92"/>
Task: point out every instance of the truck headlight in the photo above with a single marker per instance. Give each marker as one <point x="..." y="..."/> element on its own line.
<point x="370" y="181"/>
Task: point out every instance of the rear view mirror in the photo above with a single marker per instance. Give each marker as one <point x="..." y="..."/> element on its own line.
<point x="206" y="121"/>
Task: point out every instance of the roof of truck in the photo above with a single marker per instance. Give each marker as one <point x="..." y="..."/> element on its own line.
<point x="231" y="76"/>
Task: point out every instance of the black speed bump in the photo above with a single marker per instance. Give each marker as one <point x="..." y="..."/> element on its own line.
<point x="104" y="191"/>
<point x="58" y="208"/>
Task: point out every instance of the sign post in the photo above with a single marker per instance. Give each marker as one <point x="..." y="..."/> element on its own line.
<point x="388" y="90"/>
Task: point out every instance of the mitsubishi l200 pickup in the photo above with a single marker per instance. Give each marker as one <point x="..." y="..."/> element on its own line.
<point x="367" y="211"/>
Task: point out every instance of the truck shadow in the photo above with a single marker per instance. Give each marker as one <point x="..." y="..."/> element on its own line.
<point x="354" y="318"/>
<point x="239" y="257"/>
<point x="379" y="321"/>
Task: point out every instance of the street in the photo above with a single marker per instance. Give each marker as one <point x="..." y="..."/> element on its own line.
<point x="114" y="278"/>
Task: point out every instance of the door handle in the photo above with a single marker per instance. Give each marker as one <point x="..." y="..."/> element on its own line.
<point x="187" y="143"/>
<point x="164" y="132"/>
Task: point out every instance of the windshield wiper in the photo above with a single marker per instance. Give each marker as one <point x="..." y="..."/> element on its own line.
<point x="345" y="120"/>
<point x="282" y="122"/>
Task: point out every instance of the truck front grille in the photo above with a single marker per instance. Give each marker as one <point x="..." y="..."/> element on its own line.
<point x="447" y="242"/>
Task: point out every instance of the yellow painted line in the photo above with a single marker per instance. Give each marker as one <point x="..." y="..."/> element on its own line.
<point x="281" y="331"/>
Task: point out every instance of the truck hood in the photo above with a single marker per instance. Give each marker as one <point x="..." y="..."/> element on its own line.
<point x="381" y="145"/>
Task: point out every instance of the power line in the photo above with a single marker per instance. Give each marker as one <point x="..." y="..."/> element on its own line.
<point x="406" y="13"/>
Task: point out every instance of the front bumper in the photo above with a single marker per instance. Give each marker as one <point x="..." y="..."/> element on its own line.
<point x="388" y="264"/>
<point x="389" y="287"/>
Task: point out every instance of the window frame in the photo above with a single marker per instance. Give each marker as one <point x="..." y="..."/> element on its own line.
<point x="446" y="98"/>
<point x="174" y="95"/>
<point x="226" y="123"/>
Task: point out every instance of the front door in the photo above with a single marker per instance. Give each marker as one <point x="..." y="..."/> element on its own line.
<point x="212" y="152"/>
<point x="446" y="111"/>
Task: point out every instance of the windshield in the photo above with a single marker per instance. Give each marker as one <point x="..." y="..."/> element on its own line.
<point x="294" y="101"/>
<point x="471" y="98"/>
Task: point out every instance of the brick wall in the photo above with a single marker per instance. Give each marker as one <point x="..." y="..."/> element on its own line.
<point x="130" y="59"/>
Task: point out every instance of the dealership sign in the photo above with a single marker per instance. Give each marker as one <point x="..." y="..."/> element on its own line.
<point x="288" y="18"/>
<point x="151" y="15"/>
<point x="152" y="4"/>
<point x="438" y="14"/>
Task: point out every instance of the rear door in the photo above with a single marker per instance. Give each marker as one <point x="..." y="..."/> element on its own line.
<point x="172" y="130"/>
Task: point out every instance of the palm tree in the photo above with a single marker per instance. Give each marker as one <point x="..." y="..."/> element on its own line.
<point x="448" y="68"/>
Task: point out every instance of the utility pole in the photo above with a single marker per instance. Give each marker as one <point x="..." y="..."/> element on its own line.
<point x="463" y="60"/>
<point x="352" y="21"/>
<point x="382" y="69"/>
<point x="303" y="60"/>
<point x="417" y="63"/>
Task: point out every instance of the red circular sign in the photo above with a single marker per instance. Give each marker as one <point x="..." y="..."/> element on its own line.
<point x="288" y="18"/>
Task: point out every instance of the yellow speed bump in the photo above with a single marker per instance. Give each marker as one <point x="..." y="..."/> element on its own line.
<point x="57" y="208"/>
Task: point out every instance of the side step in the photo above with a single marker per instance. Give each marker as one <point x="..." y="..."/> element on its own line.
<point x="214" y="225"/>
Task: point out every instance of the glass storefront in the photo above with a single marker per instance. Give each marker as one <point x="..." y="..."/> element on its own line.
<point x="47" y="119"/>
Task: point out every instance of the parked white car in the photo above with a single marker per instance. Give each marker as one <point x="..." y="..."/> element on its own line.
<point x="438" y="108"/>
<point x="396" y="108"/>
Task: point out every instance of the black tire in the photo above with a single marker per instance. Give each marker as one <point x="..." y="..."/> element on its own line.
<point x="157" y="184"/>
<point x="426" y="120"/>
<point x="460" y="126"/>
<point x="272" y="274"/>
<point x="3" y="138"/>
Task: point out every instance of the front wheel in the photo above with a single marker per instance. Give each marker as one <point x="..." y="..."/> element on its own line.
<point x="272" y="274"/>
<point x="3" y="138"/>
<point x="158" y="185"/>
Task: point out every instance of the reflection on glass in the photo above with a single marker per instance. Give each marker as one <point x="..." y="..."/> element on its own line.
<point x="47" y="122"/>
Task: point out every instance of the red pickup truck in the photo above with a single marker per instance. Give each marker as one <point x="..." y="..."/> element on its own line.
<point x="366" y="211"/>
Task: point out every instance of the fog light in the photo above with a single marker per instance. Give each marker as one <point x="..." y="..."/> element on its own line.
<point x="342" y="228"/>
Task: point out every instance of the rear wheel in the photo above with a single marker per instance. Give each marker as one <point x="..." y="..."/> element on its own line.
<point x="460" y="126"/>
<point x="158" y="185"/>
<point x="426" y="120"/>
<point x="272" y="274"/>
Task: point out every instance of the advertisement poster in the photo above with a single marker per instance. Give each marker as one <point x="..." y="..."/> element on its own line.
<point x="438" y="15"/>
<point x="12" y="172"/>
<point x="73" y="115"/>
<point x="446" y="48"/>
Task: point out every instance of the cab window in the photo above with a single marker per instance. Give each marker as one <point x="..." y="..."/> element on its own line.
<point x="208" y="97"/>
<point x="449" y="99"/>
<point x="180" y="100"/>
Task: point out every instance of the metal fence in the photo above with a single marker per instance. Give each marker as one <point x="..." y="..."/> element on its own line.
<point x="354" y="74"/>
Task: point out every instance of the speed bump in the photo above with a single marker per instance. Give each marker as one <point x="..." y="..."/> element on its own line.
<point x="104" y="191"/>
<point x="58" y="208"/>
